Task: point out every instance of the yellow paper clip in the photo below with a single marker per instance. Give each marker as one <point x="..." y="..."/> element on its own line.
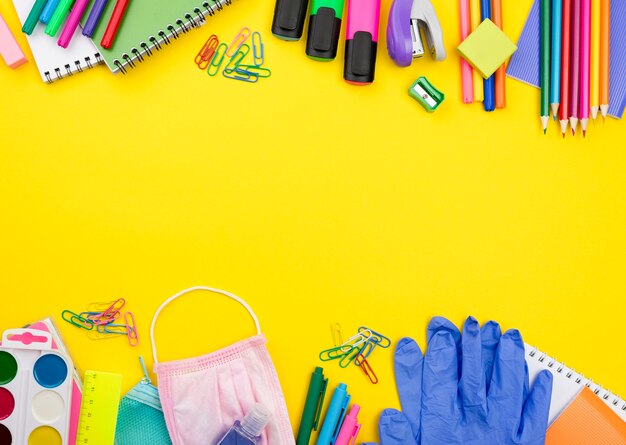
<point x="366" y="368"/>
<point x="207" y="52"/>
<point x="239" y="40"/>
<point x="335" y="328"/>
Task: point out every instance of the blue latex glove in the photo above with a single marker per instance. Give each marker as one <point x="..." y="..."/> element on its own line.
<point x="470" y="389"/>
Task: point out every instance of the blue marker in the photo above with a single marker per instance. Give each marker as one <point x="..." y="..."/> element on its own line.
<point x="489" y="85"/>
<point x="48" y="10"/>
<point x="334" y="416"/>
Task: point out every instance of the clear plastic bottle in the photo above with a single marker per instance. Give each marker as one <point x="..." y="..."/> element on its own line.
<point x="248" y="431"/>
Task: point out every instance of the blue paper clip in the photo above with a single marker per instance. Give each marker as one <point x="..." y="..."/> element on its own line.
<point x="366" y="350"/>
<point x="254" y="69"/>
<point x="383" y="341"/>
<point x="240" y="74"/>
<point x="236" y="59"/>
<point x="258" y="51"/>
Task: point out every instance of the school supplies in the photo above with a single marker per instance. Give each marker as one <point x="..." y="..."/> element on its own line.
<point x="248" y="431"/>
<point x="240" y="375"/>
<point x="585" y="61"/>
<point x="31" y="18"/>
<point x="114" y="23"/>
<point x="9" y="49"/>
<point x="140" y="419"/>
<point x="361" y="41"/>
<point x="488" y="81"/>
<point x="334" y="416"/>
<point x="206" y="53"/>
<point x="500" y="74"/>
<point x="60" y="13"/>
<point x="94" y="17"/>
<point x="466" y="69"/>
<point x="258" y="49"/>
<point x="324" y="29"/>
<point x="487" y="48"/>
<point x="238" y="41"/>
<point x="99" y="408"/>
<point x="35" y="388"/>
<point x="568" y="384"/>
<point x="565" y="63"/>
<point x="574" y="92"/>
<point x="350" y="427"/>
<point x="72" y="22"/>
<point x="594" y="100"/>
<point x="312" y="407"/>
<point x="48" y="11"/>
<point x="545" y="64"/>
<point x="555" y="56"/>
<point x="289" y="17"/>
<point x="426" y="94"/>
<point x="54" y="62"/>
<point x="150" y="26"/>
<point x="476" y="77"/>
<point x="408" y="19"/>
<point x="609" y="29"/>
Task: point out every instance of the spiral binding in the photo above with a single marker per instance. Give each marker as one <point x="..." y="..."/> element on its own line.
<point x="578" y="378"/>
<point x="164" y="37"/>
<point x="69" y="70"/>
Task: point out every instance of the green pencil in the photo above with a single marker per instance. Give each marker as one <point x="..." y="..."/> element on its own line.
<point x="58" y="17"/>
<point x="545" y="64"/>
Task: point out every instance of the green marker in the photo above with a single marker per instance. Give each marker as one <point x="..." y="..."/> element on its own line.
<point x="324" y="29"/>
<point x="312" y="406"/>
<point x="33" y="17"/>
<point x="58" y="17"/>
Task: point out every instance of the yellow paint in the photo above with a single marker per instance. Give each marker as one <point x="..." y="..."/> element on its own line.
<point x="44" y="435"/>
<point x="317" y="201"/>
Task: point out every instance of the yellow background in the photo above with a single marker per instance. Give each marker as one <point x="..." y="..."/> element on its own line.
<point x="315" y="200"/>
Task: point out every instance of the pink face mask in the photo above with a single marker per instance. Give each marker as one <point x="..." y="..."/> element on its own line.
<point x="202" y="397"/>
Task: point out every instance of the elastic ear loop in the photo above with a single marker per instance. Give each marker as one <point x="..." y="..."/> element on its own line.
<point x="192" y="289"/>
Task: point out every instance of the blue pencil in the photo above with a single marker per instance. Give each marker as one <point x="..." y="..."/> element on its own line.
<point x="489" y="85"/>
<point x="555" y="63"/>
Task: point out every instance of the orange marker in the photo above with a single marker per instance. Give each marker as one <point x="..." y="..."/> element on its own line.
<point x="500" y="76"/>
<point x="605" y="30"/>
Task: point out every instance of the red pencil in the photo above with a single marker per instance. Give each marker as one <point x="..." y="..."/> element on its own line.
<point x="114" y="23"/>
<point x="575" y="65"/>
<point x="565" y="63"/>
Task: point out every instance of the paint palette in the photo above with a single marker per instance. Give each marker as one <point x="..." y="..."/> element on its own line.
<point x="35" y="390"/>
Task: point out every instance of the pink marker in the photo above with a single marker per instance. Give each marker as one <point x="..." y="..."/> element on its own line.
<point x="72" y="22"/>
<point x="350" y="427"/>
<point x="585" y="65"/>
<point x="467" y="83"/>
<point x="9" y="49"/>
<point x="361" y="41"/>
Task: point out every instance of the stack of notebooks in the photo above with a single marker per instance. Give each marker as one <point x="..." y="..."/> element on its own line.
<point x="149" y="25"/>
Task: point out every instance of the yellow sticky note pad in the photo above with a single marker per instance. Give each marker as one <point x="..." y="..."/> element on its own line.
<point x="487" y="48"/>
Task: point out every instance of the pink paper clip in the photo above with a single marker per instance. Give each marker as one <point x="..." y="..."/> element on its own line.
<point x="239" y="40"/>
<point x="366" y="368"/>
<point x="133" y="336"/>
<point x="116" y="306"/>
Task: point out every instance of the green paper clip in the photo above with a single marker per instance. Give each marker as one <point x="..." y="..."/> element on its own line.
<point x="237" y="58"/>
<point x="349" y="356"/>
<point x="217" y="60"/>
<point x="77" y="320"/>
<point x="332" y="353"/>
<point x="255" y="69"/>
<point x="426" y="94"/>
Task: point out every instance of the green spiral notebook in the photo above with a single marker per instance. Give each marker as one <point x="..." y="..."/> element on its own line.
<point x="151" y="25"/>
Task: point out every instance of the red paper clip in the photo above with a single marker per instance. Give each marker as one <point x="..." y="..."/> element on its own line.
<point x="366" y="368"/>
<point x="239" y="40"/>
<point x="207" y="52"/>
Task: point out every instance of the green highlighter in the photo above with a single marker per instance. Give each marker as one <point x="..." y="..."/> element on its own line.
<point x="324" y="29"/>
<point x="59" y="17"/>
<point x="312" y="406"/>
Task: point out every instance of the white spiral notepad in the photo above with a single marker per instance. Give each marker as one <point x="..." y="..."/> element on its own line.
<point x="53" y="61"/>
<point x="568" y="384"/>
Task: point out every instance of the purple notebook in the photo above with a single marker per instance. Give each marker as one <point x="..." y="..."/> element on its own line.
<point x="525" y="64"/>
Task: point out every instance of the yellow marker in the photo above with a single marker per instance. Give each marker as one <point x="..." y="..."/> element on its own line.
<point x="478" y="80"/>
<point x="98" y="410"/>
<point x="595" y="58"/>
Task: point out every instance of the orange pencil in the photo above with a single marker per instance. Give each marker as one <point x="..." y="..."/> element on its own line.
<point x="605" y="30"/>
<point x="500" y="75"/>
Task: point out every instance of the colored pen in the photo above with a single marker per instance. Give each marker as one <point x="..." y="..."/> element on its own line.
<point x="565" y="64"/>
<point x="585" y="46"/>
<point x="114" y="23"/>
<point x="467" y="83"/>
<point x="94" y="17"/>
<point x="33" y="17"/>
<point x="48" y="11"/>
<point x="555" y="66"/>
<point x="594" y="100"/>
<point x="9" y="48"/>
<point x="605" y="33"/>
<point x="350" y="428"/>
<point x="334" y="416"/>
<point x="545" y="64"/>
<point x="574" y="86"/>
<point x="361" y="41"/>
<point x="58" y="17"/>
<point x="489" y="87"/>
<point x="289" y="17"/>
<point x="324" y="29"/>
<point x="312" y="407"/>
<point x="72" y="23"/>
<point x="500" y="74"/>
<point x="476" y="77"/>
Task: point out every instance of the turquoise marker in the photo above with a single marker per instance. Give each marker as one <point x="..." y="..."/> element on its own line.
<point x="334" y="416"/>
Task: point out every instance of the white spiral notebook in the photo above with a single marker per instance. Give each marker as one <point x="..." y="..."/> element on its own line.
<point x="568" y="384"/>
<point x="54" y="62"/>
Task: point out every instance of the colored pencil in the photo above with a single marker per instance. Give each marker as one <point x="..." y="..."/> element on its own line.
<point x="467" y="83"/>
<point x="477" y="78"/>
<point x="565" y="64"/>
<point x="575" y="67"/>
<point x="595" y="59"/>
<point x="555" y="66"/>
<point x="500" y="75"/>
<point x="489" y="86"/>
<point x="585" y="45"/>
<point x="545" y="64"/>
<point x="605" y="30"/>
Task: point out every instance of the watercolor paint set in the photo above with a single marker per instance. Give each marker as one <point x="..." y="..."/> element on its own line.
<point x="35" y="389"/>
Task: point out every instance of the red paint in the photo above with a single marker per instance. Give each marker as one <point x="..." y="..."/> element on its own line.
<point x="7" y="403"/>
